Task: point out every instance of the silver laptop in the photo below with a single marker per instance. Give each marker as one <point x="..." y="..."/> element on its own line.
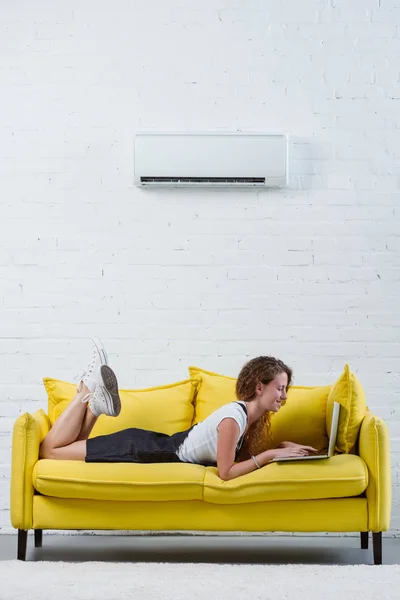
<point x="332" y="440"/>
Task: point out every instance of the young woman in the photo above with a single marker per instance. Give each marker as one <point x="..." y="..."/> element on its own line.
<point x="233" y="437"/>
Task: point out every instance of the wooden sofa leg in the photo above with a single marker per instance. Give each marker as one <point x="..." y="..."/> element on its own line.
<point x="377" y="547"/>
<point x="38" y="538"/>
<point x="364" y="540"/>
<point x="22" y="540"/>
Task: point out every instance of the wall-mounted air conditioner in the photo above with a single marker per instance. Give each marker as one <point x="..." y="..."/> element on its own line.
<point x="212" y="160"/>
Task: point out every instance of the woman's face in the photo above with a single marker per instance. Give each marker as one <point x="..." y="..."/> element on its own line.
<point x="272" y="393"/>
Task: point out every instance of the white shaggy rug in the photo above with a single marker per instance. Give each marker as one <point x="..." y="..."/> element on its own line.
<point x="183" y="581"/>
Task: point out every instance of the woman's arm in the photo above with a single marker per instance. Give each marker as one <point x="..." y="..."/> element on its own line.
<point x="228" y="435"/>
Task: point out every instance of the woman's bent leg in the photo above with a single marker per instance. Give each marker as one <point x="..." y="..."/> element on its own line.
<point x="97" y="394"/>
<point x="74" y="451"/>
<point x="89" y="421"/>
<point x="68" y="426"/>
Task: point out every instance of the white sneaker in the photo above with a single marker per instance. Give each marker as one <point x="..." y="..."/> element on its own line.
<point x="105" y="399"/>
<point x="101" y="350"/>
<point x="91" y="375"/>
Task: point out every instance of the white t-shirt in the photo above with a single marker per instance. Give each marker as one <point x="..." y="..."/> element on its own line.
<point x="200" y="446"/>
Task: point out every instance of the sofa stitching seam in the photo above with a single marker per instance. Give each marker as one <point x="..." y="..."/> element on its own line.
<point x="100" y="482"/>
<point x="203" y="483"/>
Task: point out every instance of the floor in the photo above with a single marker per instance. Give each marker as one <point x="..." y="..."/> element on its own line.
<point x="202" y="549"/>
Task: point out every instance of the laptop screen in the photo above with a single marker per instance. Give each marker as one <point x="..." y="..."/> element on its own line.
<point x="334" y="428"/>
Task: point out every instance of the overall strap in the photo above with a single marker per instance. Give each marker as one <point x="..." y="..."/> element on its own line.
<point x="240" y="441"/>
<point x="243" y="406"/>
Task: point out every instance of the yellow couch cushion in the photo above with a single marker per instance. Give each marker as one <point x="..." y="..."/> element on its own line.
<point x="348" y="391"/>
<point x="167" y="408"/>
<point x="302" y="419"/>
<point x="212" y="392"/>
<point x="341" y="476"/>
<point x="118" y="481"/>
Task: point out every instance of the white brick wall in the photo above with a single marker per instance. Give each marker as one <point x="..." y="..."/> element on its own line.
<point x="171" y="278"/>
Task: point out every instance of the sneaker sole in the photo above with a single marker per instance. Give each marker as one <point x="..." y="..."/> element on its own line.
<point x="111" y="387"/>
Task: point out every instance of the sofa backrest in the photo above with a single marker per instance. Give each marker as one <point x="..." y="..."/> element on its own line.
<point x="307" y="415"/>
<point x="305" y="418"/>
<point x="167" y="408"/>
<point x="302" y="419"/>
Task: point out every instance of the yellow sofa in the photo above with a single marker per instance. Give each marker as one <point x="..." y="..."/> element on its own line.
<point x="350" y="492"/>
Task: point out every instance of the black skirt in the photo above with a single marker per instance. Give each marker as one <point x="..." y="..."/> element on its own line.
<point x="135" y="445"/>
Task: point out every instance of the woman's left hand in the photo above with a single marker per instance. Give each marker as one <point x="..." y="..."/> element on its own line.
<point x="308" y="449"/>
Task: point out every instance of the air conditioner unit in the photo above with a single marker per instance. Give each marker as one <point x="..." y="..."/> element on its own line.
<point x="212" y="160"/>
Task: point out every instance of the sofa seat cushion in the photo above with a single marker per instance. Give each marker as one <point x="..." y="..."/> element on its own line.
<point x="341" y="476"/>
<point x="118" y="481"/>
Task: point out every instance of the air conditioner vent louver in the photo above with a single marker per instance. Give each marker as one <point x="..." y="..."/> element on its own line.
<point x="203" y="180"/>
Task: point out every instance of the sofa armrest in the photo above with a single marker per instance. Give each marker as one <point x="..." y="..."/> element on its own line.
<point x="374" y="448"/>
<point x="29" y="431"/>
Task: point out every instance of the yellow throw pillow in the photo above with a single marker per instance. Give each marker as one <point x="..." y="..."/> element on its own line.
<point x="302" y="419"/>
<point x="167" y="408"/>
<point x="213" y="391"/>
<point x="348" y="391"/>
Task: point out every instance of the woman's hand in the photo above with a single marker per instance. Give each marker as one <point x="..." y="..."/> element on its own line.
<point x="309" y="449"/>
<point x="288" y="452"/>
